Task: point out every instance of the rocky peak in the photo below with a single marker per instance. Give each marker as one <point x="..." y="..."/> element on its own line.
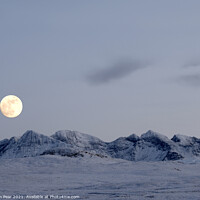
<point x="184" y="140"/>
<point x="133" y="138"/>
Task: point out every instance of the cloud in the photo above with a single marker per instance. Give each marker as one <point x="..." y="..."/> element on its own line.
<point x="193" y="80"/>
<point x="192" y="63"/>
<point x="117" y="71"/>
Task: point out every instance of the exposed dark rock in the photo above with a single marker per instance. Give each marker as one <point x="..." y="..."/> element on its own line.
<point x="173" y="156"/>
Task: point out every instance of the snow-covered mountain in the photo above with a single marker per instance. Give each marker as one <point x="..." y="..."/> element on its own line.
<point x="29" y="144"/>
<point x="81" y="141"/>
<point x="151" y="146"/>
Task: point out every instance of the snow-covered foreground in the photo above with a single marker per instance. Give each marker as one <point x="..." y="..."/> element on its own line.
<point x="99" y="178"/>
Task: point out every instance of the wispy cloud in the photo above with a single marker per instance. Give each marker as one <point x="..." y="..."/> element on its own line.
<point x="192" y="63"/>
<point x="192" y="80"/>
<point x="117" y="71"/>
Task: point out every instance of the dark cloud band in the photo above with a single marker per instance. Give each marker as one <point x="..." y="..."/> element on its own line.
<point x="193" y="80"/>
<point x="193" y="63"/>
<point x="116" y="71"/>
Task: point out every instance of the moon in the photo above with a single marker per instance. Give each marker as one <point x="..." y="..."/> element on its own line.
<point x="11" y="106"/>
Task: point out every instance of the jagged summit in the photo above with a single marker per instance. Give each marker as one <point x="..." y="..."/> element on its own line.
<point x="151" y="146"/>
<point x="81" y="142"/>
<point x="75" y="137"/>
<point x="133" y="137"/>
<point x="31" y="132"/>
<point x="184" y="140"/>
<point x="31" y="136"/>
<point x="151" y="134"/>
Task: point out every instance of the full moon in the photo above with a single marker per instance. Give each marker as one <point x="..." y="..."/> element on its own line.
<point x="11" y="106"/>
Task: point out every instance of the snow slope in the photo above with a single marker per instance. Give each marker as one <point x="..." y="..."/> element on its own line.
<point x="95" y="178"/>
<point x="80" y="141"/>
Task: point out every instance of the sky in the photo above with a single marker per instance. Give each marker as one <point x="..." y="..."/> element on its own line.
<point x="106" y="68"/>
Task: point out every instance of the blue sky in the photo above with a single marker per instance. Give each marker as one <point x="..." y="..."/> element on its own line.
<point x="107" y="68"/>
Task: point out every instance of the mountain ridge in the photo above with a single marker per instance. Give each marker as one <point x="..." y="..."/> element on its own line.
<point x="150" y="146"/>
